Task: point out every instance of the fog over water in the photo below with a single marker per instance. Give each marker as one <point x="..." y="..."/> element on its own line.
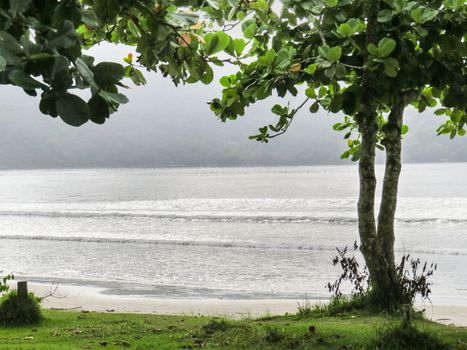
<point x="168" y="126"/>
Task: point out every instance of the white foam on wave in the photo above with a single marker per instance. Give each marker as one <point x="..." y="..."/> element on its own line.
<point x="340" y="210"/>
<point x="218" y="244"/>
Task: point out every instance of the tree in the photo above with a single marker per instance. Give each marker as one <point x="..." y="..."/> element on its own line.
<point x="365" y="59"/>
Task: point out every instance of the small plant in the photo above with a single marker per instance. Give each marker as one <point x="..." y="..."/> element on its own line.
<point x="346" y="303"/>
<point x="411" y="282"/>
<point x="216" y="326"/>
<point x="273" y="335"/>
<point x="305" y="308"/>
<point x="360" y="280"/>
<point x="4" y="287"/>
<point x="15" y="310"/>
<point x="399" y="337"/>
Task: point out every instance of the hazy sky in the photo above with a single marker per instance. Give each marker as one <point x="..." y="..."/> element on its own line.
<point x="168" y="126"/>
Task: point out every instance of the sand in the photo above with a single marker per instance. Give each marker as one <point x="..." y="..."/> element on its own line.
<point x="70" y="297"/>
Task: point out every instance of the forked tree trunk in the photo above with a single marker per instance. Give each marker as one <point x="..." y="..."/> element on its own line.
<point x="377" y="242"/>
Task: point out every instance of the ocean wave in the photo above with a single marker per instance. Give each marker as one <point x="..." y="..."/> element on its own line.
<point x="264" y="217"/>
<point x="216" y="217"/>
<point x="216" y="244"/>
<point x="220" y="244"/>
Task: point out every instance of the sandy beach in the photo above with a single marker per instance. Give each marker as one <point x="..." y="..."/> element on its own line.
<point x="71" y="297"/>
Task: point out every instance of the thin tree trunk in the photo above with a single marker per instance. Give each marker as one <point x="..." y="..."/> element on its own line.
<point x="366" y="200"/>
<point x="387" y="279"/>
<point x="392" y="143"/>
<point x="366" y="120"/>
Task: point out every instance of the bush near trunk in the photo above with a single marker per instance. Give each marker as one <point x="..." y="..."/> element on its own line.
<point x="413" y="280"/>
<point x="15" y="310"/>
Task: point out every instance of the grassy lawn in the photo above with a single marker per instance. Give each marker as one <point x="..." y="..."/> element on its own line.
<point x="77" y="330"/>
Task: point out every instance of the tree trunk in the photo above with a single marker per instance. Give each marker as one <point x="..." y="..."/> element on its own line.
<point x="366" y="120"/>
<point x="366" y="200"/>
<point x="388" y="279"/>
<point x="393" y="144"/>
<point x="377" y="244"/>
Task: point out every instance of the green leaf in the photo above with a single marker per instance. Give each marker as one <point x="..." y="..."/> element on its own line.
<point x="3" y="63"/>
<point x="421" y="31"/>
<point x="135" y="75"/>
<point x="99" y="109"/>
<point x="345" y="30"/>
<point x="249" y="28"/>
<point x="208" y="75"/>
<point x="85" y="72"/>
<point x="114" y="97"/>
<point x="390" y="71"/>
<point x="89" y="18"/>
<point x="331" y="3"/>
<point x="65" y="37"/>
<point x="108" y="73"/>
<point x="332" y="54"/>
<point x="268" y="58"/>
<point x="314" y="107"/>
<point x="235" y="47"/>
<point x="48" y="106"/>
<point x="19" y="6"/>
<point x="441" y="111"/>
<point x="373" y="49"/>
<point x="225" y="81"/>
<point x="239" y="46"/>
<point x="453" y="5"/>
<point x="423" y="14"/>
<point x="335" y="54"/>
<point x="133" y="28"/>
<point x="279" y="110"/>
<point x="311" y="69"/>
<point x="260" y="5"/>
<point x="24" y="80"/>
<point x="215" y="42"/>
<point x="282" y="60"/>
<point x="386" y="46"/>
<point x="67" y="10"/>
<point x="404" y="129"/>
<point x="357" y="25"/>
<point x="310" y="92"/>
<point x="391" y="65"/>
<point x="10" y="49"/>
<point x="72" y="109"/>
<point x="107" y="10"/>
<point x="385" y="16"/>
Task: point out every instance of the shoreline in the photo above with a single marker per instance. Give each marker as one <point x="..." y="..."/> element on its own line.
<point x="88" y="298"/>
<point x="85" y="298"/>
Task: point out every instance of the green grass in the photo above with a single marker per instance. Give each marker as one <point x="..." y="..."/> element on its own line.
<point x="76" y="330"/>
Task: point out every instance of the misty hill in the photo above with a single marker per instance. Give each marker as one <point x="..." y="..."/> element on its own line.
<point x="167" y="126"/>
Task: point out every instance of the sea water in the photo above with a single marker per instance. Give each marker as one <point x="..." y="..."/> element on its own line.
<point x="220" y="232"/>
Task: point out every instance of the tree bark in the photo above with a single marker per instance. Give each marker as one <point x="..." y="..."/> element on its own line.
<point x="378" y="249"/>
<point x="388" y="280"/>
<point x="393" y="144"/>
<point x="366" y="120"/>
<point x="366" y="200"/>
